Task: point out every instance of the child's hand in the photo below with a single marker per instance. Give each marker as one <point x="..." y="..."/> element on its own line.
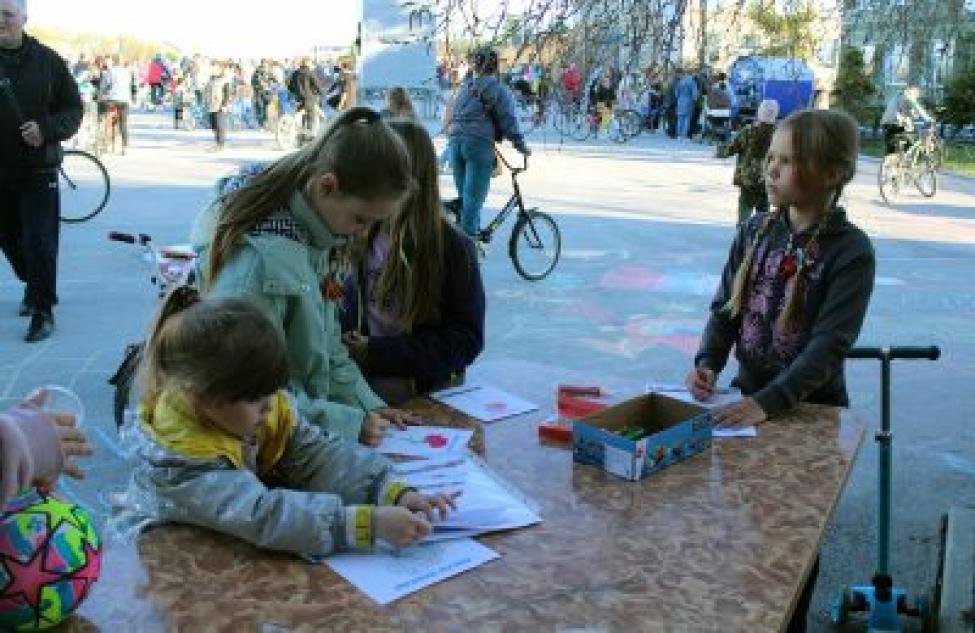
<point x="358" y="346"/>
<point x="73" y="443"/>
<point x="373" y="429"/>
<point x="745" y="412"/>
<point x="17" y="466"/>
<point x="397" y="417"/>
<point x="399" y="527"/>
<point x="700" y="382"/>
<point x="428" y="503"/>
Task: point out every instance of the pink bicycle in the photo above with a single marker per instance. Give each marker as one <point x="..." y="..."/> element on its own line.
<point x="169" y="267"/>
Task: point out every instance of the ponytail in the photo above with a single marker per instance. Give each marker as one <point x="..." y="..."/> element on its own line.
<point x="151" y="375"/>
<point x="739" y="287"/>
<point x="367" y="157"/>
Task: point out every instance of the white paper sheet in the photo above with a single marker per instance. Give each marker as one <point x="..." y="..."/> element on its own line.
<point x="425" y="441"/>
<point x="387" y="575"/>
<point x="723" y="396"/>
<point x="746" y="431"/>
<point x="483" y="402"/>
<point x="484" y="505"/>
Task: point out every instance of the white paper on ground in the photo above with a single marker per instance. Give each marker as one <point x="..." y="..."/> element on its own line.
<point x="484" y="402"/>
<point x="745" y="431"/>
<point x="387" y="575"/>
<point x="425" y="441"/>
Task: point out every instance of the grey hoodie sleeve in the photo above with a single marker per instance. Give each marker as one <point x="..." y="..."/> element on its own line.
<point x="236" y="502"/>
<point x="721" y="330"/>
<point x="315" y="461"/>
<point x="834" y="330"/>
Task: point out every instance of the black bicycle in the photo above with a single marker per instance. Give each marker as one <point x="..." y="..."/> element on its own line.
<point x="84" y="185"/>
<point x="535" y="243"/>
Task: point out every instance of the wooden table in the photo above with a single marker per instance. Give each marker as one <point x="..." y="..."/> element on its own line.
<point x="722" y="542"/>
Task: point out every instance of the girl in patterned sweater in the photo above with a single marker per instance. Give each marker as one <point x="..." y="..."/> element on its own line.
<point x="796" y="286"/>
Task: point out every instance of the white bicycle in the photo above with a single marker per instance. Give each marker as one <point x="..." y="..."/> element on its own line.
<point x="168" y="267"/>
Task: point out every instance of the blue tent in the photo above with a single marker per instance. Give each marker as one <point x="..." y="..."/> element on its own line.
<point x="752" y="79"/>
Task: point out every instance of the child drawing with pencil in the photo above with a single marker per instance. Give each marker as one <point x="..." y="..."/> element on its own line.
<point x="797" y="282"/>
<point x="220" y="445"/>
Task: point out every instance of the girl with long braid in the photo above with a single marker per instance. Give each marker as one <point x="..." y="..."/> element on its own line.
<point x="797" y="282"/>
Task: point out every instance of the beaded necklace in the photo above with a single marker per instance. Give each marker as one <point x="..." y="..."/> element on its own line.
<point x="799" y="259"/>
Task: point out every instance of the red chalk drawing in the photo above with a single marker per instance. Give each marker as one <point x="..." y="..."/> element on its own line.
<point x="678" y="342"/>
<point x="436" y="440"/>
<point x="630" y="278"/>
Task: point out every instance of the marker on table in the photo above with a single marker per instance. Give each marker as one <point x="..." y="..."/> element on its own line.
<point x="582" y="390"/>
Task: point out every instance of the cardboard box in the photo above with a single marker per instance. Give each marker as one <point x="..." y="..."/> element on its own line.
<point x="677" y="430"/>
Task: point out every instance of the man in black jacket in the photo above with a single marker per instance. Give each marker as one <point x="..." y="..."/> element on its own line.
<point x="39" y="107"/>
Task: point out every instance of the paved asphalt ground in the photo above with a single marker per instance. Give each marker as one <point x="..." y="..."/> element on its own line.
<point x="646" y="227"/>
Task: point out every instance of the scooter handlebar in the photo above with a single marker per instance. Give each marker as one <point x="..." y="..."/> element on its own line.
<point x="893" y="353"/>
<point x="116" y="236"/>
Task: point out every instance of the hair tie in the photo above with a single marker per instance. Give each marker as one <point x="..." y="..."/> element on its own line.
<point x="362" y="114"/>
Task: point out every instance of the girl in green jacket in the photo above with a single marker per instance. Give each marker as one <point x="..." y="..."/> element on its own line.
<point x="274" y="241"/>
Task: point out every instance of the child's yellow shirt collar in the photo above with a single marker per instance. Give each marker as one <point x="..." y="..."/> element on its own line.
<point x="175" y="426"/>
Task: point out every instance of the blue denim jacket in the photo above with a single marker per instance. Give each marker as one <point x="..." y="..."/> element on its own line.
<point x="469" y="117"/>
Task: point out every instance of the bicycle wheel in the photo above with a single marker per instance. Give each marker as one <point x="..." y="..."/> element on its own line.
<point x="286" y="133"/>
<point x="926" y="178"/>
<point x="84" y="186"/>
<point x="535" y="245"/>
<point x="938" y="154"/>
<point x="631" y="123"/>
<point x="888" y="179"/>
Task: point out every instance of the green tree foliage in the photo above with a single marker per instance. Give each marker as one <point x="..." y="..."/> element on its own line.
<point x="854" y="88"/>
<point x="788" y="33"/>
<point x="960" y="98"/>
<point x="71" y="43"/>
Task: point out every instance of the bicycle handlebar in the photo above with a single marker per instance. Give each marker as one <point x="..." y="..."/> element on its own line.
<point x="509" y="166"/>
<point x="891" y="353"/>
<point x="115" y="236"/>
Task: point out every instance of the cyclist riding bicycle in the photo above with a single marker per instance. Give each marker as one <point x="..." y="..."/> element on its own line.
<point x="899" y="117"/>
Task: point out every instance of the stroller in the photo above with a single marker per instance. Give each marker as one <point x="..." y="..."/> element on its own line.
<point x="717" y="125"/>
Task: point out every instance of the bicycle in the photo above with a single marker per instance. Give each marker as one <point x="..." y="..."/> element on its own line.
<point x="535" y="236"/>
<point x="169" y="266"/>
<point x="84" y="184"/>
<point x="913" y="164"/>
<point x="620" y="125"/>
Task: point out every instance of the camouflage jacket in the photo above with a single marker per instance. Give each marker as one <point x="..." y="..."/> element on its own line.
<point x="750" y="145"/>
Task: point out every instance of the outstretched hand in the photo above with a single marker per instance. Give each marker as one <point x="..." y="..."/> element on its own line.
<point x="745" y="412"/>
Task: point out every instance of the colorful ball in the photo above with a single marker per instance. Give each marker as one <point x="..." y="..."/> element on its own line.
<point x="50" y="556"/>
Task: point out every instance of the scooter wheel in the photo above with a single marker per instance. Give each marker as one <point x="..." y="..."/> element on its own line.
<point x="839" y="606"/>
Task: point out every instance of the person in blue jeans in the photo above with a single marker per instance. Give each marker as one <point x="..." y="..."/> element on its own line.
<point x="687" y="94"/>
<point x="483" y="110"/>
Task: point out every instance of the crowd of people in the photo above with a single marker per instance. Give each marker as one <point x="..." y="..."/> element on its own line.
<point x="215" y="93"/>
<point x="333" y="289"/>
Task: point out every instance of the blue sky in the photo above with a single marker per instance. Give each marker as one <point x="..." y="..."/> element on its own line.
<point x="280" y="27"/>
